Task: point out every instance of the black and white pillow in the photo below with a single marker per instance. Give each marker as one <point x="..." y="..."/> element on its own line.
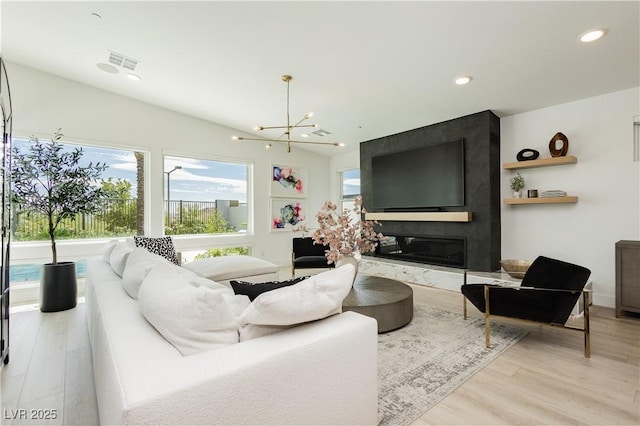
<point x="162" y="246"/>
<point x="254" y="290"/>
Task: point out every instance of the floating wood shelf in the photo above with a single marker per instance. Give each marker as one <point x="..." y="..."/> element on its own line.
<point x="541" y="200"/>
<point x="421" y="216"/>
<point x="542" y="162"/>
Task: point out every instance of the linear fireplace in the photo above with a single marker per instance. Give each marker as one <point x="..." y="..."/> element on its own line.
<point x="444" y="251"/>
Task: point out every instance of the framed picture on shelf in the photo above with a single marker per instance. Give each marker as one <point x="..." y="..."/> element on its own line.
<point x="288" y="181"/>
<point x="287" y="213"/>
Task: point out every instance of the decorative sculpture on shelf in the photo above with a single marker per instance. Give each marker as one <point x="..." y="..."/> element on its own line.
<point x="554" y="150"/>
<point x="527" y="154"/>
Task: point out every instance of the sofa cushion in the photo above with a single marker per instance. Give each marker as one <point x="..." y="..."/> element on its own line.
<point x="311" y="262"/>
<point x="230" y="267"/>
<point x="118" y="258"/>
<point x="193" y="319"/>
<point x="138" y="265"/>
<point x="162" y="246"/>
<point x="314" y="298"/>
<point x="140" y="262"/>
<point x="107" y="249"/>
<point x="253" y="290"/>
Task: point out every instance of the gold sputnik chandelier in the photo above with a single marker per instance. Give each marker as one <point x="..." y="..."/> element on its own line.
<point x="286" y="136"/>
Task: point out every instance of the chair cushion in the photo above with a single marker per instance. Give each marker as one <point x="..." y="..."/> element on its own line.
<point x="546" y="272"/>
<point x="535" y="305"/>
<point x="512" y="302"/>
<point x="307" y="247"/>
<point x="311" y="262"/>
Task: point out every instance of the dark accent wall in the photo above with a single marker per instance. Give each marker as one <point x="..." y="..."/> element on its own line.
<point x="481" y="134"/>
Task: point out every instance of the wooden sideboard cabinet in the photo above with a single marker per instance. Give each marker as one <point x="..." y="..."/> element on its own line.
<point x="627" y="276"/>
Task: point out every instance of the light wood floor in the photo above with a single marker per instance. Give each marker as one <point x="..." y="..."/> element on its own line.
<point x="543" y="379"/>
<point x="50" y="370"/>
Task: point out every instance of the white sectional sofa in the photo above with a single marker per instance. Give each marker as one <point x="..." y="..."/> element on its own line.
<point x="321" y="372"/>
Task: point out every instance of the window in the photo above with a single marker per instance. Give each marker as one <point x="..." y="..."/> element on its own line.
<point x="205" y="196"/>
<point x="350" y="187"/>
<point x="120" y="215"/>
<point x="190" y="256"/>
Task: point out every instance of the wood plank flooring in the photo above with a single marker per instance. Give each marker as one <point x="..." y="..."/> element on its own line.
<point x="49" y="379"/>
<point x="543" y="379"/>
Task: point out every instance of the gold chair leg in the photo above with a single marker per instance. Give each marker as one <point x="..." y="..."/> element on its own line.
<point x="464" y="298"/>
<point x="587" y="330"/>
<point x="487" y="323"/>
<point x="464" y="306"/>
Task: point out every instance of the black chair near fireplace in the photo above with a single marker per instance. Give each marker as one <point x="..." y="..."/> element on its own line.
<point x="308" y="255"/>
<point x="548" y="293"/>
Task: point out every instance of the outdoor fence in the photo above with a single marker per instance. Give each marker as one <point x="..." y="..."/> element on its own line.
<point x="117" y="217"/>
<point x="179" y="211"/>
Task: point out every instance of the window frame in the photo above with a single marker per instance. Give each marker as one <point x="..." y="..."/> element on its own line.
<point x="219" y="159"/>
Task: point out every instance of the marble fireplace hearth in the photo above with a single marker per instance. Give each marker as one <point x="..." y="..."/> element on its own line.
<point x="428" y="275"/>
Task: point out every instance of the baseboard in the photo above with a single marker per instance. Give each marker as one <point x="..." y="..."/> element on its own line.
<point x="603" y="300"/>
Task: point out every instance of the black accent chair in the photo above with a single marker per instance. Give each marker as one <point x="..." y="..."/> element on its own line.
<point x="307" y="255"/>
<point x="548" y="293"/>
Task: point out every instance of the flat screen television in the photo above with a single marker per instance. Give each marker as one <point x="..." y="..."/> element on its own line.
<point x="427" y="178"/>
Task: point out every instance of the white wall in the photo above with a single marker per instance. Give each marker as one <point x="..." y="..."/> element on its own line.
<point x="600" y="132"/>
<point x="606" y="180"/>
<point x="43" y="103"/>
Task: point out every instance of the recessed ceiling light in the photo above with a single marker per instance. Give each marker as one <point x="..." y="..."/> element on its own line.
<point x="592" y="35"/>
<point x="305" y="135"/>
<point x="134" y="77"/>
<point x="463" y="80"/>
<point x="108" y="68"/>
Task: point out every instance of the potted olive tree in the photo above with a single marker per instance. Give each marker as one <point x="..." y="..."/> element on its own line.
<point x="47" y="179"/>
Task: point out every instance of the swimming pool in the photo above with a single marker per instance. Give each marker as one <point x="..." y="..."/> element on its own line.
<point x="31" y="272"/>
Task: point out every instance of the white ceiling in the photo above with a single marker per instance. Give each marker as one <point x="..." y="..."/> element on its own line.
<point x="367" y="69"/>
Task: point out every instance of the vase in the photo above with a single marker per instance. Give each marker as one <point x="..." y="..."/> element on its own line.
<point x="517" y="194"/>
<point x="58" y="287"/>
<point x="353" y="259"/>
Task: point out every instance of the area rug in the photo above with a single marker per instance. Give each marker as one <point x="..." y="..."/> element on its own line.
<point x="421" y="363"/>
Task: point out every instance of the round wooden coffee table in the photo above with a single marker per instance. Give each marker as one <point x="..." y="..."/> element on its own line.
<point x="388" y="301"/>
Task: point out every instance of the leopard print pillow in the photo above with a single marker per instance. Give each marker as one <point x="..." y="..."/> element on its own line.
<point x="162" y="246"/>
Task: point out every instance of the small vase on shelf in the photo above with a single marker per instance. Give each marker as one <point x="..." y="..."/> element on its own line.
<point x="517" y="194"/>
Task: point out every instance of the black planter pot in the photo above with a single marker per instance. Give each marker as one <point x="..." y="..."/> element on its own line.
<point x="58" y="287"/>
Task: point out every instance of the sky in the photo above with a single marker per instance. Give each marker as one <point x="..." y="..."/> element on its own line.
<point x="351" y="182"/>
<point x="198" y="180"/>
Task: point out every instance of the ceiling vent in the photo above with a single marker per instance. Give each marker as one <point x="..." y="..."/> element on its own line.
<point x="120" y="60"/>
<point x="321" y="132"/>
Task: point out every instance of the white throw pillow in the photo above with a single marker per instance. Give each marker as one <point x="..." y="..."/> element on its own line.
<point x="107" y="249"/>
<point x="193" y="319"/>
<point x="139" y="263"/>
<point x="118" y="258"/>
<point x="198" y="281"/>
<point x="317" y="297"/>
